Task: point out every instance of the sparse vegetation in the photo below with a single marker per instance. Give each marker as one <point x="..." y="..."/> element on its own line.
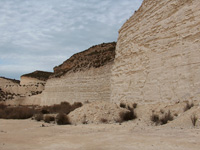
<point x="155" y="118"/>
<point x="49" y="119"/>
<point x="63" y="107"/>
<point x="130" y="115"/>
<point x="167" y="117"/>
<point x="84" y="120"/>
<point x="25" y="112"/>
<point x="134" y="105"/>
<point x="188" y="106"/>
<point x="20" y="112"/>
<point x="103" y="120"/>
<point x="122" y="105"/>
<point x="194" y="119"/>
<point x="38" y="117"/>
<point x="161" y="120"/>
<point x="62" y="119"/>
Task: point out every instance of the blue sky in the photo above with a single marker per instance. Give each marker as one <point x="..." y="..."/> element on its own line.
<point x="40" y="34"/>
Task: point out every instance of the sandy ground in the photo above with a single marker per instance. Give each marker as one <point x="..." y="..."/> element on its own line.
<point x="30" y="135"/>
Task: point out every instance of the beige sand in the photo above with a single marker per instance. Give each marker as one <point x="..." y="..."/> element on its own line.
<point x="29" y="135"/>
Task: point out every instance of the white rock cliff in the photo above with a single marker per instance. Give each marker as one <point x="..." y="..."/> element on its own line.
<point x="158" y="53"/>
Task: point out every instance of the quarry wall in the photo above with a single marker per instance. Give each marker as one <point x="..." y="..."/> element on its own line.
<point x="89" y="85"/>
<point x="83" y="77"/>
<point x="12" y="89"/>
<point x="158" y="53"/>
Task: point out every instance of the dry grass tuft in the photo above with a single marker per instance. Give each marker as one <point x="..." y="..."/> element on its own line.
<point x="194" y="119"/>
<point x="188" y="106"/>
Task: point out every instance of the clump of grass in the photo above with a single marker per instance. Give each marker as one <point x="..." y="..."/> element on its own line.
<point x="39" y="117"/>
<point x="188" y="106"/>
<point x="161" y="120"/>
<point x="103" y="120"/>
<point x="134" y="105"/>
<point x="194" y="119"/>
<point x="62" y="119"/>
<point x="49" y="119"/>
<point x="122" y="105"/>
<point x="167" y="117"/>
<point x="155" y="118"/>
<point x="129" y="115"/>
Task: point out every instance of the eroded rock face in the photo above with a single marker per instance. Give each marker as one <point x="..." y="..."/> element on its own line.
<point x="94" y="57"/>
<point x="29" y="85"/>
<point x="35" y="77"/>
<point x="83" y="77"/>
<point x="158" y="53"/>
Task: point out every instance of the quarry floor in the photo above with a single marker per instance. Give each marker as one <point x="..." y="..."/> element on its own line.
<point x="30" y="135"/>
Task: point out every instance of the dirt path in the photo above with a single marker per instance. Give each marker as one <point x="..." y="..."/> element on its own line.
<point x="29" y="135"/>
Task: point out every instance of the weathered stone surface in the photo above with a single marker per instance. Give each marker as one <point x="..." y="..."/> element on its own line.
<point x="89" y="85"/>
<point x="14" y="89"/>
<point x="158" y="53"/>
<point x="83" y="77"/>
<point x="35" y="77"/>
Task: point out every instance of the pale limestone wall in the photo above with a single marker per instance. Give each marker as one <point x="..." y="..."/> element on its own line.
<point x="158" y="53"/>
<point x="23" y="90"/>
<point x="89" y="85"/>
<point x="5" y="82"/>
<point x="28" y="81"/>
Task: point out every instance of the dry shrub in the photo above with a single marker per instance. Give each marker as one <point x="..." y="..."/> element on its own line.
<point x="63" y="107"/>
<point x="134" y="105"/>
<point x="62" y="119"/>
<point x="39" y="117"/>
<point x="167" y="117"/>
<point x="49" y="119"/>
<point x="44" y="111"/>
<point x="130" y="115"/>
<point x="188" y="106"/>
<point x="103" y="120"/>
<point x="163" y="120"/>
<point x="122" y="105"/>
<point x="21" y="112"/>
<point x="194" y="120"/>
<point x="155" y="118"/>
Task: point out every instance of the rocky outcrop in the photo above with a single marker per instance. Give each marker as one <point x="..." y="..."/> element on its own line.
<point x="157" y="54"/>
<point x="94" y="57"/>
<point x="83" y="77"/>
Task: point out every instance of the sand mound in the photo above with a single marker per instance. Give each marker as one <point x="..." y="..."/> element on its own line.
<point x="97" y="112"/>
<point x="184" y="119"/>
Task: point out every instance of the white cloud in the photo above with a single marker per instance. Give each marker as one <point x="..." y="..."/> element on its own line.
<point x="56" y="29"/>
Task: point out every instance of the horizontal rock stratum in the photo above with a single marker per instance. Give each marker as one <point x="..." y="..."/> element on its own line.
<point x="158" y="53"/>
<point x="83" y="77"/>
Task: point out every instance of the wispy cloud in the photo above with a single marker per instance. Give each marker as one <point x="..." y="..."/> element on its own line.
<point x="40" y="34"/>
